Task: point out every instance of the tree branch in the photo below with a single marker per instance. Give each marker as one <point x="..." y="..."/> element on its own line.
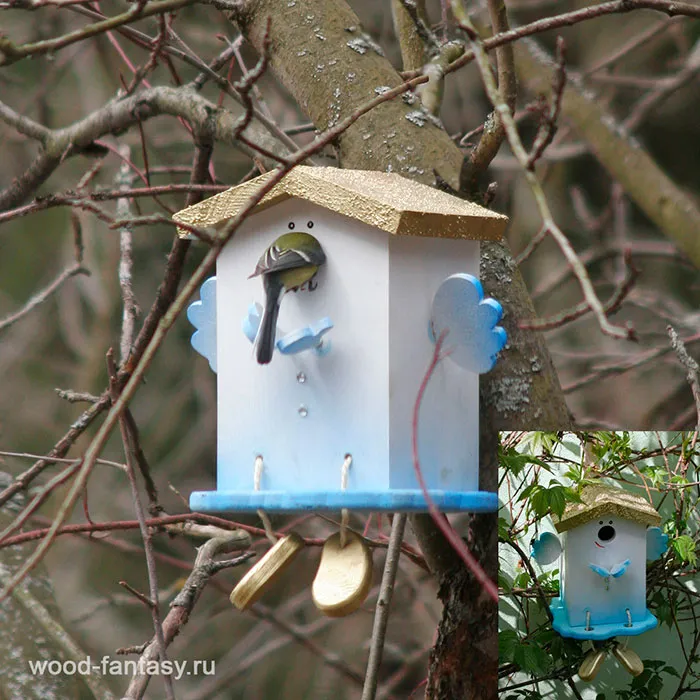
<point x="652" y="190"/>
<point x="204" y="567"/>
<point x="11" y="53"/>
<point x="116" y="116"/>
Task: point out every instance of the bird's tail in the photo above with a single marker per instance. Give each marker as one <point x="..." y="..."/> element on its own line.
<point x="265" y="339"/>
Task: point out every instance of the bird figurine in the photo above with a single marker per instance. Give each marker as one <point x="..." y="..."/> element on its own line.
<point x="290" y="262"/>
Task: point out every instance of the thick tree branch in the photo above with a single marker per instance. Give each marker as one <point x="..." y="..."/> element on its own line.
<point x="116" y="116"/>
<point x="494" y="132"/>
<point x="10" y="52"/>
<point x="205" y="567"/>
<point x="525" y="391"/>
<point x="413" y="47"/>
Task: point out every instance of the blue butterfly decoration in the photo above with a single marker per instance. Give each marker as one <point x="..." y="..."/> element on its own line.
<point x="306" y="338"/>
<point x="615" y="572"/>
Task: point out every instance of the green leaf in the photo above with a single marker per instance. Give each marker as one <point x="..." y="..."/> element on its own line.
<point x="505" y="582"/>
<point x="522" y="580"/>
<point x="684" y="548"/>
<point x="655" y="686"/>
<point x="508" y="641"/>
<point x="662" y="609"/>
<point x="557" y="500"/>
<point x="515" y="462"/>
<point x="532" y="658"/>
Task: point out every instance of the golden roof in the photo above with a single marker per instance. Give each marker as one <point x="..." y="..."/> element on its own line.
<point x="600" y="501"/>
<point x="386" y="201"/>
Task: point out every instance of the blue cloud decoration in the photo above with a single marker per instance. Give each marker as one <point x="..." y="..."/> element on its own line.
<point x="474" y="339"/>
<point x="202" y="315"/>
<point x="546" y="548"/>
<point x="657" y="543"/>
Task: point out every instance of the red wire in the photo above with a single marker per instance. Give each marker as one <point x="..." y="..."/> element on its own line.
<point x="452" y="537"/>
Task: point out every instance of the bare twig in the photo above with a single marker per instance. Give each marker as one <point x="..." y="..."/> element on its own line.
<point x="10" y="52"/>
<point x="126" y="264"/>
<point x="44" y="294"/>
<point x="620" y="52"/>
<point x="245" y="86"/>
<point x="150" y="604"/>
<point x="519" y="151"/>
<point x="57" y="460"/>
<point x="548" y="128"/>
<point x="381" y="613"/>
<point x="493" y="133"/>
<point x="165" y="521"/>
<point x="145" y="533"/>
<point x="689" y="364"/>
<point x="642" y="109"/>
<point x="77" y="396"/>
<point x="204" y="567"/>
<point x="613" y="304"/>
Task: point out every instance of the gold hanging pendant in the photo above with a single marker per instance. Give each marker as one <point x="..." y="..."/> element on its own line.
<point x="629" y="660"/>
<point x="591" y="664"/>
<point x="266" y="571"/>
<point x="344" y="576"/>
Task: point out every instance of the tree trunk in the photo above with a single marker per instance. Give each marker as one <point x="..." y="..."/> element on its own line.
<point x="321" y="54"/>
<point x="22" y="638"/>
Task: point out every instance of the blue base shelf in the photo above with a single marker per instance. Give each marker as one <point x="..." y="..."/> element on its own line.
<point x="392" y="500"/>
<point x="598" y="632"/>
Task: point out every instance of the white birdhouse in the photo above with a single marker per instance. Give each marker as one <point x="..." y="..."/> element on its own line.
<point x="609" y="537"/>
<point x="327" y="423"/>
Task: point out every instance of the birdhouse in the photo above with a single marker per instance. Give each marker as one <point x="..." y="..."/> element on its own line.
<point x="608" y="538"/>
<point x="326" y="421"/>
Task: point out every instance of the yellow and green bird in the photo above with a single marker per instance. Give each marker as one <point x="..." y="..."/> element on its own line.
<point x="291" y="261"/>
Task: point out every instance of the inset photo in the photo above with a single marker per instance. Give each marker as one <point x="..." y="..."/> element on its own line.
<point x="599" y="583"/>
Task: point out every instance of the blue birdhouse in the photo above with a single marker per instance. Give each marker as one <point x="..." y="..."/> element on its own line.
<point x="326" y="422"/>
<point x="608" y="538"/>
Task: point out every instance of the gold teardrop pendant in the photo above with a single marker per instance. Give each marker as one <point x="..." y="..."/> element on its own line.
<point x="344" y="576"/>
<point x="629" y="660"/>
<point x="591" y="664"/>
<point x="266" y="571"/>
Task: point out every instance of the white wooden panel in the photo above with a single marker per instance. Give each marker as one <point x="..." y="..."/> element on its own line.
<point x="345" y="393"/>
<point x="449" y="420"/>
<point x="585" y="589"/>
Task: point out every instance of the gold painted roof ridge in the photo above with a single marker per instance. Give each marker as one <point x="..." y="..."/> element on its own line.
<point x="387" y="201"/>
<point x="599" y="500"/>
